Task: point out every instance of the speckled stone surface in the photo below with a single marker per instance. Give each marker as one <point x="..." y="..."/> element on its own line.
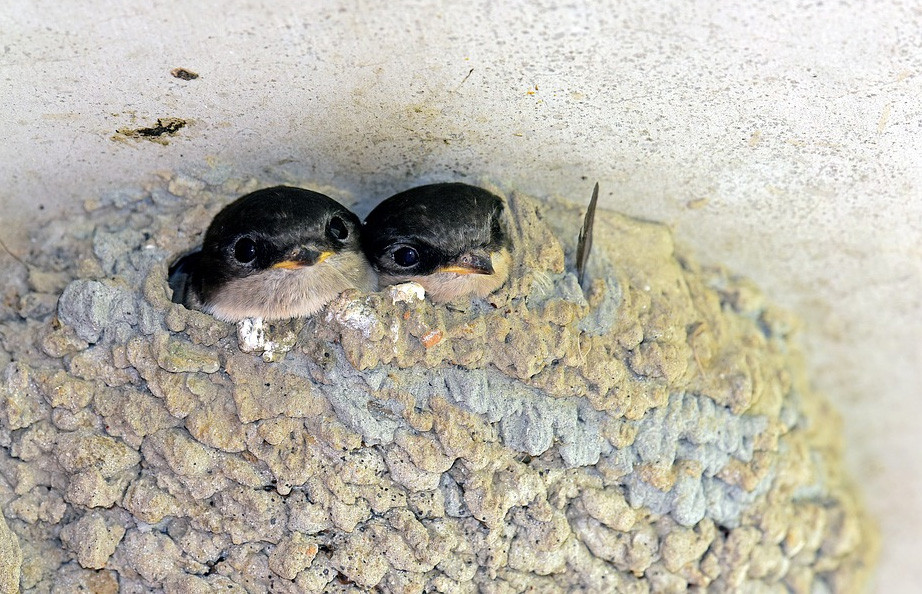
<point x="653" y="433"/>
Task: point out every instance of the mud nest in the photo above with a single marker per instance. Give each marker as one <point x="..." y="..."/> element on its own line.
<point x="655" y="433"/>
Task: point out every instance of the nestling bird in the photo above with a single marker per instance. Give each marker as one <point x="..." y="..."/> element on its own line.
<point x="276" y="253"/>
<point x="450" y="238"/>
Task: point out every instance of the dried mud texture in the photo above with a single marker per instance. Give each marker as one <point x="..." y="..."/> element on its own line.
<point x="655" y="434"/>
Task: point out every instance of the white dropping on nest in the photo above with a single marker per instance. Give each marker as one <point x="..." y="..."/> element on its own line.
<point x="251" y="337"/>
<point x="406" y="293"/>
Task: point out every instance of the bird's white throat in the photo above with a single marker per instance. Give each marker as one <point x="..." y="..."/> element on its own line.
<point x="276" y="294"/>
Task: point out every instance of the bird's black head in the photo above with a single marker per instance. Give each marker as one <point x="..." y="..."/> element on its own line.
<point x="279" y="227"/>
<point x="449" y="227"/>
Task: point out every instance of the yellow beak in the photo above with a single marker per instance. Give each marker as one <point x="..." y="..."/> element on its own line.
<point x="302" y="263"/>
<point x="461" y="270"/>
<point x="475" y="262"/>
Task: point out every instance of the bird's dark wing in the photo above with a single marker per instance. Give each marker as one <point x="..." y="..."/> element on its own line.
<point x="181" y="274"/>
<point x="584" y="246"/>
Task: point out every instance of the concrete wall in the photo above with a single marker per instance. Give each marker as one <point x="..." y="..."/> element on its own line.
<point x="783" y="141"/>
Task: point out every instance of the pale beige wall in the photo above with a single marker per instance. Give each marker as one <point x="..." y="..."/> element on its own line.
<point x="784" y="141"/>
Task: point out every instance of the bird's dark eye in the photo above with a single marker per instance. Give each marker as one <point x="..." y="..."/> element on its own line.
<point x="405" y="257"/>
<point x="245" y="250"/>
<point x="337" y="229"/>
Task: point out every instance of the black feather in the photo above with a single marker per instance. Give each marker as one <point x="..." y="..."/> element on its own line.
<point x="181" y="275"/>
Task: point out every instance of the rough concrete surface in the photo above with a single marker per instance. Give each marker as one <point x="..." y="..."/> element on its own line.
<point x="653" y="433"/>
<point x="10" y="559"/>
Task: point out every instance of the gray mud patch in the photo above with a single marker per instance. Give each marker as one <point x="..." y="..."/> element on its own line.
<point x="656" y="433"/>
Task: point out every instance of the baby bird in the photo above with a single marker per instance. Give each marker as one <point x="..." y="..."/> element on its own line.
<point x="449" y="237"/>
<point x="276" y="253"/>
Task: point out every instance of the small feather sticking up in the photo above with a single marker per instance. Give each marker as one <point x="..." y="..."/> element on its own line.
<point x="585" y="236"/>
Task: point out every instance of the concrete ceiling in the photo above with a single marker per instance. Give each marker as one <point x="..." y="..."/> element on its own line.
<point x="784" y="141"/>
